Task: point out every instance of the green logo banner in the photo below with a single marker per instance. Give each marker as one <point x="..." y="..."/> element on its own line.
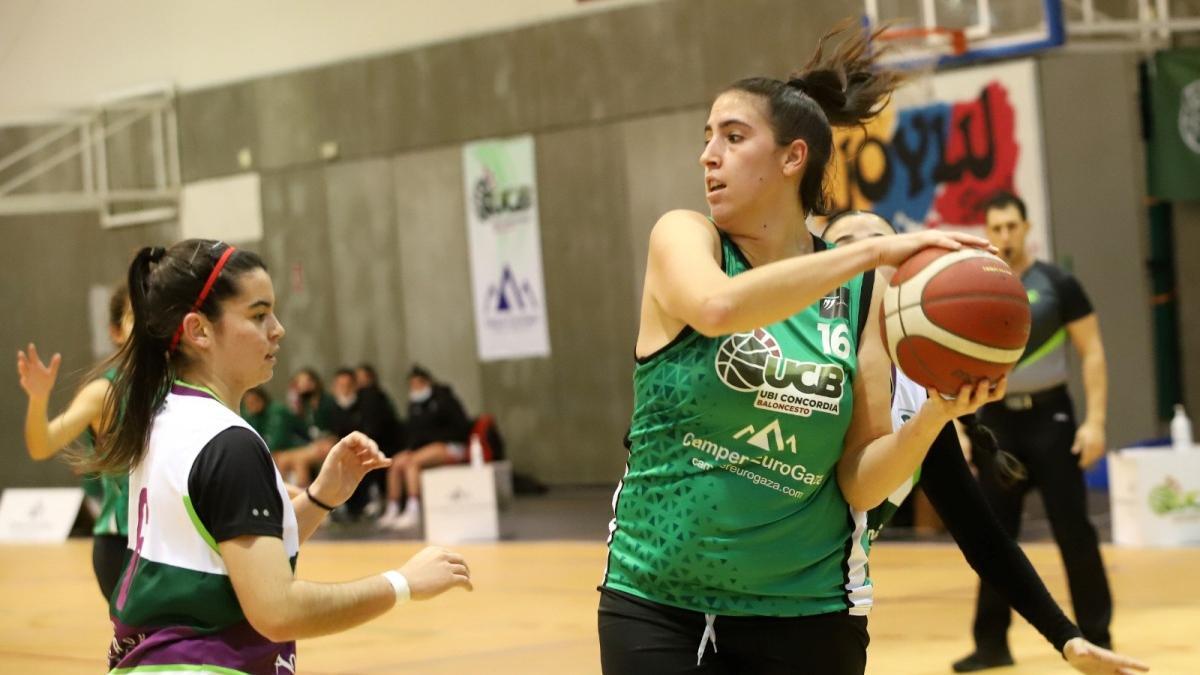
<point x="1174" y="152"/>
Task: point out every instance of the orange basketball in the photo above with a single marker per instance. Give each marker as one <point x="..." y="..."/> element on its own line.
<point x="954" y="317"/>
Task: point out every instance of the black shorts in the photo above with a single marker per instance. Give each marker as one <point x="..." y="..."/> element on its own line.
<point x="108" y="560"/>
<point x="642" y="637"/>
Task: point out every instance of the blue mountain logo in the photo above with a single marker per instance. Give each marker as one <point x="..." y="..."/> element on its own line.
<point x="510" y="295"/>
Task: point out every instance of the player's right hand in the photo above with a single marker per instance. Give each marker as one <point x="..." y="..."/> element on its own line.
<point x="891" y="251"/>
<point x="435" y="570"/>
<point x="37" y="379"/>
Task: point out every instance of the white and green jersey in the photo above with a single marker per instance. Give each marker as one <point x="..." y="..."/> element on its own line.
<point x="907" y="399"/>
<point x="730" y="503"/>
<point x="206" y="477"/>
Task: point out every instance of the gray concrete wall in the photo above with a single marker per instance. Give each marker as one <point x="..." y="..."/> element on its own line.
<point x="435" y="277"/>
<point x="1097" y="191"/>
<point x="51" y="262"/>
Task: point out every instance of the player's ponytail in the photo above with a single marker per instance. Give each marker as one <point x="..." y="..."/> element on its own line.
<point x="846" y="87"/>
<point x="986" y="452"/>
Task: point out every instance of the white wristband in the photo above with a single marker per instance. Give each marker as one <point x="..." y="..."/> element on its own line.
<point x="399" y="584"/>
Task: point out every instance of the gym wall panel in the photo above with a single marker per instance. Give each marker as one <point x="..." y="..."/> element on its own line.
<point x="585" y="256"/>
<point x="616" y="64"/>
<point x="662" y="172"/>
<point x="366" y="290"/>
<point x="298" y="112"/>
<point x="214" y="126"/>
<point x="753" y="38"/>
<point x="1098" y="221"/>
<point x="296" y="248"/>
<point x="478" y="87"/>
<point x="434" y="272"/>
<point x="46" y="282"/>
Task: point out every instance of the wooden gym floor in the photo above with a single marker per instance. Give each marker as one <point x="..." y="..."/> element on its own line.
<point x="533" y="611"/>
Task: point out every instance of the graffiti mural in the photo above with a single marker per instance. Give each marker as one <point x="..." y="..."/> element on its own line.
<point x="943" y="147"/>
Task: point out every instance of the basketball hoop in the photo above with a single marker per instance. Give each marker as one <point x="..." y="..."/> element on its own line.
<point x="919" y="50"/>
<point x="911" y="46"/>
<point x="941" y="38"/>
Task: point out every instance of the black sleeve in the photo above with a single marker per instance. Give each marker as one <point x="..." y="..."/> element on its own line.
<point x="864" y="302"/>
<point x="1073" y="302"/>
<point x="997" y="559"/>
<point x="232" y="487"/>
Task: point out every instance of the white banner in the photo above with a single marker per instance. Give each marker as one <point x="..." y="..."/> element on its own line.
<point x="38" y="515"/>
<point x="500" y="182"/>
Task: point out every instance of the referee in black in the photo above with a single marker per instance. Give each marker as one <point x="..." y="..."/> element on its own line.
<point x="1035" y="423"/>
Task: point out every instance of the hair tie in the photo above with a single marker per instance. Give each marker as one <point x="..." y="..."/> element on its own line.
<point x="798" y="83"/>
<point x="156" y="253"/>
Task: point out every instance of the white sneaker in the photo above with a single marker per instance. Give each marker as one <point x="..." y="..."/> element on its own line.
<point x="409" y="520"/>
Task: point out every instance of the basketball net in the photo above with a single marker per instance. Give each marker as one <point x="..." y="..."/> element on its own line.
<point x="918" y="50"/>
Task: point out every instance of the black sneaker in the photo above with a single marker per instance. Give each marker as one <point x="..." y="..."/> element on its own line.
<point x="976" y="661"/>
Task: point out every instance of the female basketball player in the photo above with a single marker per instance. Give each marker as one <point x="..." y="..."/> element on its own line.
<point x="44" y="438"/>
<point x="761" y="431"/>
<point x="209" y="582"/>
<point x="957" y="498"/>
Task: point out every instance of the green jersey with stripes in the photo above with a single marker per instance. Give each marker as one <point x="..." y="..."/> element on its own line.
<point x="174" y="608"/>
<point x="111" y="491"/>
<point x="730" y="503"/>
<point x="1055" y="300"/>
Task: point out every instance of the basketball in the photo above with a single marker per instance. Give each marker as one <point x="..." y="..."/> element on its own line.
<point x="952" y="318"/>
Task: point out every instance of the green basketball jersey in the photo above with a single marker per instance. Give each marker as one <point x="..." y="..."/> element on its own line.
<point x="730" y="503"/>
<point x="113" y="493"/>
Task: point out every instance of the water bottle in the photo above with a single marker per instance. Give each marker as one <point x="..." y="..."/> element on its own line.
<point x="1181" y="430"/>
<point x="477" y="450"/>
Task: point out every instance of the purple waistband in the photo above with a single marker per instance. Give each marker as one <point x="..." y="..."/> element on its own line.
<point x="238" y="647"/>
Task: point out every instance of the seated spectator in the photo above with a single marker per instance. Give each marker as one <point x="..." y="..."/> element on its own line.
<point x="377" y="419"/>
<point x="284" y="433"/>
<point x="308" y="400"/>
<point x="314" y="408"/>
<point x="437" y="433"/>
<point x="345" y="415"/>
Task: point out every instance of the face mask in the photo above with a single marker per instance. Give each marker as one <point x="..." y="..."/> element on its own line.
<point x="420" y="395"/>
<point x="345" y="401"/>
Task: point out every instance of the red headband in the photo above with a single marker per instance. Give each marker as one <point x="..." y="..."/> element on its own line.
<point x="212" y="280"/>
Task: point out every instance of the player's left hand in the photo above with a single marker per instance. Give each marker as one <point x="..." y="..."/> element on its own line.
<point x="349" y="460"/>
<point x="1088" y="658"/>
<point x="969" y="399"/>
<point x="1089" y="443"/>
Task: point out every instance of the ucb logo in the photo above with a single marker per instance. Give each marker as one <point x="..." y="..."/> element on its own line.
<point x="754" y="361"/>
<point x="807" y="378"/>
<point x="490" y="201"/>
<point x="836" y="305"/>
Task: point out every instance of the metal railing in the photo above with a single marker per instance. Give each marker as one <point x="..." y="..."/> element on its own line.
<point x="84" y="138"/>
